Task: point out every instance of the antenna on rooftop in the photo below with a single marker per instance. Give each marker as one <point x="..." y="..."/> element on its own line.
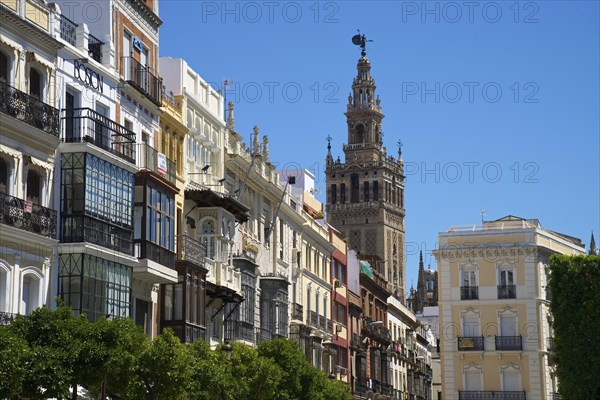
<point x="483" y="213"/>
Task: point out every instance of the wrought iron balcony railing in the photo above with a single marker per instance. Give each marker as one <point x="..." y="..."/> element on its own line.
<point x="556" y="396"/>
<point x="314" y="319"/>
<point x="86" y="125"/>
<point x="470" y="343"/>
<point x="141" y="78"/>
<point x="263" y="335"/>
<point x="83" y="228"/>
<point x="28" y="109"/>
<point x="492" y="395"/>
<point x="67" y="30"/>
<point x="27" y="216"/>
<point x="190" y="250"/>
<point x="550" y="344"/>
<point x="95" y="48"/>
<point x="469" y="292"/>
<point x="509" y="343"/>
<point x="156" y="253"/>
<point x="156" y="162"/>
<point x="6" y="317"/>
<point x="240" y="330"/>
<point x="507" y="291"/>
<point x="297" y="311"/>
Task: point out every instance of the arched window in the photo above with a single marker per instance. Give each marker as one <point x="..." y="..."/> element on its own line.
<point x="208" y="234"/>
<point x="360" y="133"/>
<point x="333" y="193"/>
<point x="375" y="191"/>
<point x="35" y="83"/>
<point x="366" y="191"/>
<point x="3" y="68"/>
<point x="30" y="293"/>
<point x="342" y="193"/>
<point x="4" y="287"/>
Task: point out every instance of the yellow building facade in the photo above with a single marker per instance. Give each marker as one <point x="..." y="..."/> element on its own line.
<point x="496" y="328"/>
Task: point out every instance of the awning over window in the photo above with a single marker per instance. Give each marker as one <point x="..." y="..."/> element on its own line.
<point x="366" y="269"/>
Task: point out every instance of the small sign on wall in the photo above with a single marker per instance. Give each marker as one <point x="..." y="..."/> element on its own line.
<point x="162" y="164"/>
<point x="137" y="43"/>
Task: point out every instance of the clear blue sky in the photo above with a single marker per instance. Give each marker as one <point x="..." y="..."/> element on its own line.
<point x="498" y="100"/>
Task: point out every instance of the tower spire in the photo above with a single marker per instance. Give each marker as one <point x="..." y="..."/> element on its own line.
<point x="329" y="158"/>
<point x="592" y="245"/>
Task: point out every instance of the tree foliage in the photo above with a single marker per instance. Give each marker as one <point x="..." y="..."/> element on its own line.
<point x="575" y="292"/>
<point x="47" y="353"/>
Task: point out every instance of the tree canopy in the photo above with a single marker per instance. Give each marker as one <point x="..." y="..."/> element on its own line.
<point x="575" y="306"/>
<point x="47" y="353"/>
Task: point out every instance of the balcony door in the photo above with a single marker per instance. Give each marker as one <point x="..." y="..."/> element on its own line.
<point x="469" y="278"/>
<point x="508" y="326"/>
<point x="506" y="277"/>
<point x="71" y="131"/>
<point x="127" y="54"/>
<point x="511" y="380"/>
<point x="472" y="380"/>
<point x="471" y="326"/>
<point x="101" y="129"/>
<point x="144" y="76"/>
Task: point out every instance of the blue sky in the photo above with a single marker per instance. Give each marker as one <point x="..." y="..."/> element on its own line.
<point x="496" y="103"/>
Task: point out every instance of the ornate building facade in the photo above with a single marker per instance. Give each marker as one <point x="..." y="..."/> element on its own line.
<point x="365" y="203"/>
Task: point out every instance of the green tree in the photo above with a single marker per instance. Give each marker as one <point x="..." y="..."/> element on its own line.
<point x="575" y="306"/>
<point x="300" y="380"/>
<point x="209" y="377"/>
<point x="14" y="357"/>
<point x="54" y="339"/>
<point x="163" y="370"/>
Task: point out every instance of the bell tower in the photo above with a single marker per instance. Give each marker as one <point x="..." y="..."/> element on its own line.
<point x="365" y="192"/>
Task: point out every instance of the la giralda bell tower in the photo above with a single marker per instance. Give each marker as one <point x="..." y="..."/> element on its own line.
<point x="365" y="193"/>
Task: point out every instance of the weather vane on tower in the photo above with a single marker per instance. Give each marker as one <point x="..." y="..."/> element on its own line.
<point x="361" y="40"/>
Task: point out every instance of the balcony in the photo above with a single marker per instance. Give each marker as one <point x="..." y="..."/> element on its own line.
<point x="27" y="216"/>
<point x="262" y="335"/>
<point x="314" y="319"/>
<point x="86" y="125"/>
<point x="83" y="228"/>
<point x="156" y="162"/>
<point x="355" y="341"/>
<point x="29" y="109"/>
<point x="378" y="331"/>
<point x="470" y="343"/>
<point x="6" y="318"/>
<point x="469" y="292"/>
<point x="142" y="79"/>
<point x="190" y="250"/>
<point x="240" y="331"/>
<point x="152" y="251"/>
<point x="297" y="311"/>
<point x="491" y="395"/>
<point x="507" y="292"/>
<point x="556" y="396"/>
<point x="95" y="48"/>
<point x="550" y="344"/>
<point x="67" y="30"/>
<point x="509" y="343"/>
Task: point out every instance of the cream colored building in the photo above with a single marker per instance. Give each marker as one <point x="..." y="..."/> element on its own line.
<point x="494" y="312"/>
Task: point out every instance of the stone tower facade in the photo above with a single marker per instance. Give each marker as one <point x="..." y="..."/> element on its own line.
<point x="365" y="193"/>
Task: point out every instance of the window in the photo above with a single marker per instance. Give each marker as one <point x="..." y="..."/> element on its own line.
<point x="33" y="186"/>
<point x="35" y="83"/>
<point x="160" y="218"/>
<point x="360" y="133"/>
<point x="333" y="193"/>
<point x="375" y="191"/>
<point x="339" y="271"/>
<point x="469" y="289"/>
<point x="94" y="286"/>
<point x="4" y="68"/>
<point x="511" y="378"/>
<point x="506" y="284"/>
<point x="4" y="181"/>
<point x="173" y="302"/>
<point x="209" y="237"/>
<point x="354" y="189"/>
<point x="30" y="293"/>
<point x="366" y="191"/>
<point x="470" y="326"/>
<point x="472" y="377"/>
<point x="342" y="193"/>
